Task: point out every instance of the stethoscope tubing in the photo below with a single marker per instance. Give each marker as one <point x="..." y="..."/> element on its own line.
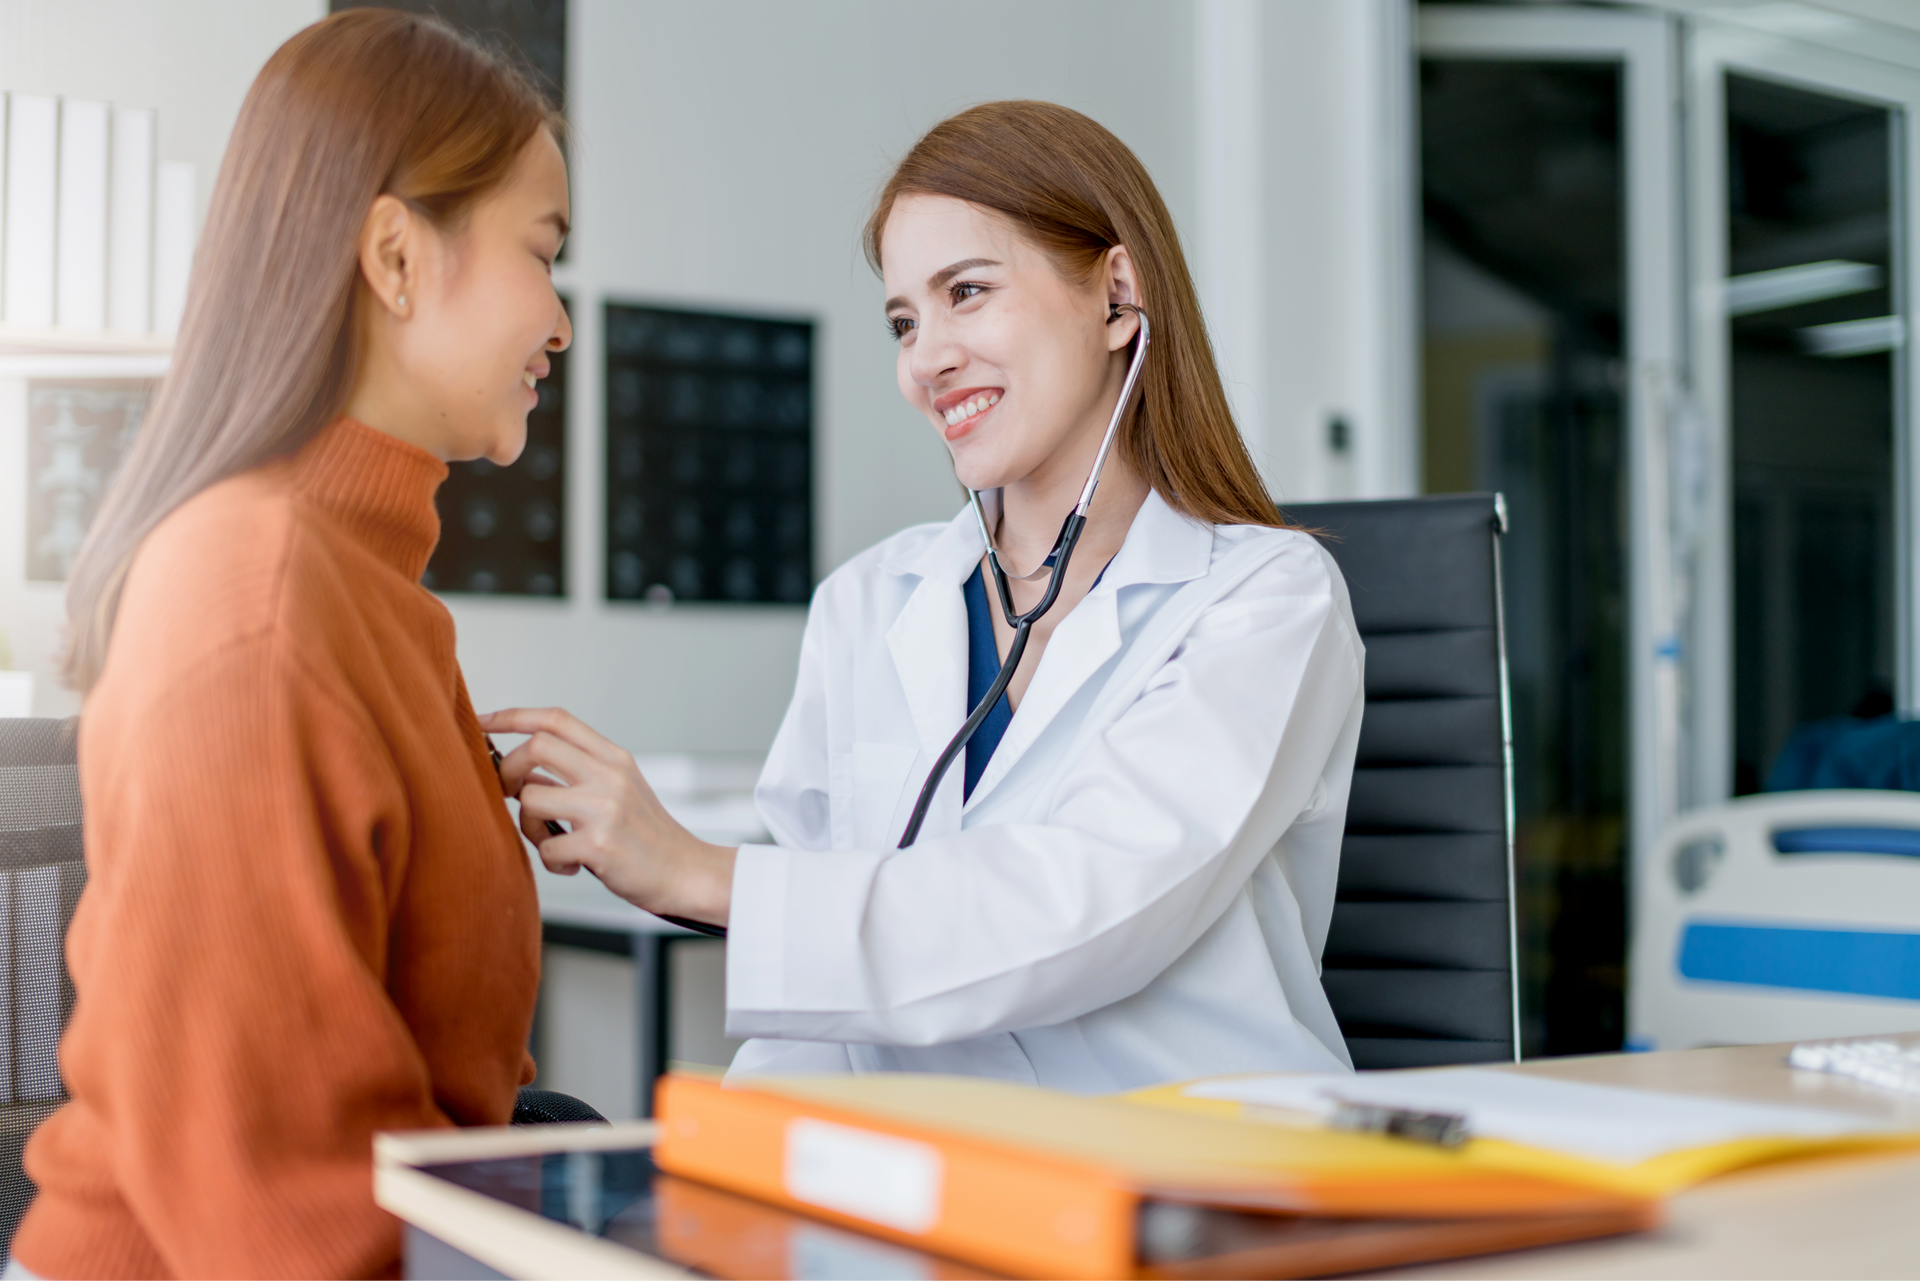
<point x="975" y="719"/>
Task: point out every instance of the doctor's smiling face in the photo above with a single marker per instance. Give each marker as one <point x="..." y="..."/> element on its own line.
<point x="1016" y="365"/>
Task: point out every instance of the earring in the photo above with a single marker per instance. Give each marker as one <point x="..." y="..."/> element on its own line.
<point x="401" y="302"/>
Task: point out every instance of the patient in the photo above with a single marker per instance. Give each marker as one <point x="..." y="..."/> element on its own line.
<point x="308" y="915"/>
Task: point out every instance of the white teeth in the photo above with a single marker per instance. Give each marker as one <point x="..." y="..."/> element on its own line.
<point x="526" y="376"/>
<point x="978" y="405"/>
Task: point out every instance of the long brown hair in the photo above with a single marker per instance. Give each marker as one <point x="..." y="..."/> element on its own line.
<point x="1077" y="191"/>
<point x="368" y="101"/>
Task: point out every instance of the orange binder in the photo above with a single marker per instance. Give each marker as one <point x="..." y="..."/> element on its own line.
<point x="739" y="1239"/>
<point x="1029" y="1182"/>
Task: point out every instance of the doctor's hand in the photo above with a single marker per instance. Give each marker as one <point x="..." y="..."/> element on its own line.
<point x="617" y="828"/>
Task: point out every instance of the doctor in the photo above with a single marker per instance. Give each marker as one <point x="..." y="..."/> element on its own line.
<point x="1130" y="879"/>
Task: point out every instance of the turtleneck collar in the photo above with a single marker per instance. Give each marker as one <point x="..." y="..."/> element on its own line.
<point x="378" y="487"/>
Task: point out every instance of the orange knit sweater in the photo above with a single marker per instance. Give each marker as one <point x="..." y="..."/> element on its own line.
<point x="308" y="915"/>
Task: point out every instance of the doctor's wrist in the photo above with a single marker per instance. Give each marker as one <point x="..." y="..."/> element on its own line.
<point x="704" y="891"/>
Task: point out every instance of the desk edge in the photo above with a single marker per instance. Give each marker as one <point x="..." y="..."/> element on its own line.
<point x="487" y="1143"/>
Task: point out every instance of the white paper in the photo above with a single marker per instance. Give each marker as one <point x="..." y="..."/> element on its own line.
<point x="81" y="278"/>
<point x="1602" y="1122"/>
<point x="130" y="223"/>
<point x="878" y="1177"/>
<point x="33" y="131"/>
<point x="16" y="693"/>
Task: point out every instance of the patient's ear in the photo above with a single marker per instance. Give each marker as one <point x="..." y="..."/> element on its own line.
<point x="389" y="254"/>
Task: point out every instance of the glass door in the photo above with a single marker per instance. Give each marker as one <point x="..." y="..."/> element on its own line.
<point x="1799" y="160"/>
<point x="1550" y="333"/>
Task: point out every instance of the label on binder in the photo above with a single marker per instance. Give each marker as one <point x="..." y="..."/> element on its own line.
<point x="877" y="1177"/>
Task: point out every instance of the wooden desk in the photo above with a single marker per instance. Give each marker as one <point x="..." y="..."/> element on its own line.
<point x="1825" y="1217"/>
<point x="1840" y="1216"/>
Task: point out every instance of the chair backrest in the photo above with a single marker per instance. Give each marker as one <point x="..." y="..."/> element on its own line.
<point x="41" y="875"/>
<point x="1421" y="959"/>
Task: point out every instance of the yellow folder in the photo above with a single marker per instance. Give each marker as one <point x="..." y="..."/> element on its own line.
<point x="1657" y="1176"/>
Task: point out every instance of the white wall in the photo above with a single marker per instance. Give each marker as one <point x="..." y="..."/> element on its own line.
<point x="724" y="156"/>
<point x="1306" y="191"/>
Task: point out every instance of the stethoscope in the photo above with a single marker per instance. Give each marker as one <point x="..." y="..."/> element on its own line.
<point x="1055" y="566"/>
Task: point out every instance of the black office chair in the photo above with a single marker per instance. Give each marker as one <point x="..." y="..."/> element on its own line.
<point x="550" y="1107"/>
<point x="1421" y="962"/>
<point x="41" y="875"/>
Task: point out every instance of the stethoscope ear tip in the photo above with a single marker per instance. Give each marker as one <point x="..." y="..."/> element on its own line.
<point x="1113" y="313"/>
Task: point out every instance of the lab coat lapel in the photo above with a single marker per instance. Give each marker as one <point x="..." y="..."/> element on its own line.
<point x="1162" y="546"/>
<point x="1082" y="643"/>
<point x="928" y="640"/>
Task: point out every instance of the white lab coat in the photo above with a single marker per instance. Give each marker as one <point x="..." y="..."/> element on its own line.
<point x="1139" y="888"/>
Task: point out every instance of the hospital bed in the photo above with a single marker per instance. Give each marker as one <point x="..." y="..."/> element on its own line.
<point x="1783" y="916"/>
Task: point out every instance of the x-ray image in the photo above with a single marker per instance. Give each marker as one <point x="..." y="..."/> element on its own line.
<point x="709" y="457"/>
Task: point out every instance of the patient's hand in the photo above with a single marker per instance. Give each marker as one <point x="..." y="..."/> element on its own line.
<point x="619" y="831"/>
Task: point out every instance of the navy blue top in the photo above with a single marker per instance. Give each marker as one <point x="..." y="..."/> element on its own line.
<point x="983" y="664"/>
<point x="983" y="667"/>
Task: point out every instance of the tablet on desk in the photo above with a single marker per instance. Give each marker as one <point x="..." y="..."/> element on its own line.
<point x="611" y="1213"/>
<point x="603" y="1209"/>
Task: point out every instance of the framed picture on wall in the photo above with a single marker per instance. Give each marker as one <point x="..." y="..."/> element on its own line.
<point x="709" y="467"/>
<point x="78" y="434"/>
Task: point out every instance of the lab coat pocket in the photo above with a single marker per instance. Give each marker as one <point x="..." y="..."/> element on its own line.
<point x="870" y="794"/>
